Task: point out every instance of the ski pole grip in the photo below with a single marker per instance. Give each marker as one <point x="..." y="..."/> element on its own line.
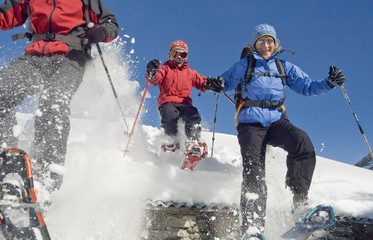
<point x="90" y="25"/>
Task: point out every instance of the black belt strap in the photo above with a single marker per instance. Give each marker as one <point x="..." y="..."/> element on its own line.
<point x="76" y="43"/>
<point x="21" y="36"/>
<point x="263" y="103"/>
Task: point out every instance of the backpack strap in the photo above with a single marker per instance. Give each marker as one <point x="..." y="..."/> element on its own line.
<point x="281" y="70"/>
<point x="27" y="2"/>
<point x="248" y="75"/>
<point x="250" y="69"/>
<point x="251" y="66"/>
<point x="88" y="21"/>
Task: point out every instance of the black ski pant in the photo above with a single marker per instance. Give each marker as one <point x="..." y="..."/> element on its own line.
<point x="301" y="159"/>
<point x="56" y="78"/>
<point x="171" y="112"/>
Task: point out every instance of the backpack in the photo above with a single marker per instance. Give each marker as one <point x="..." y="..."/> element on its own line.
<point x="244" y="103"/>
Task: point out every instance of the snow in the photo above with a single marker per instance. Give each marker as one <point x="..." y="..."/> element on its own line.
<point x="16" y="130"/>
<point x="56" y="168"/>
<point x="103" y="194"/>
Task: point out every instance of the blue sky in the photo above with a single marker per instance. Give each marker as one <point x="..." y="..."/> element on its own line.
<point x="321" y="33"/>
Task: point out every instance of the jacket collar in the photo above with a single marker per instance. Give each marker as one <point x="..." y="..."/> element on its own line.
<point x="259" y="57"/>
<point x="171" y="64"/>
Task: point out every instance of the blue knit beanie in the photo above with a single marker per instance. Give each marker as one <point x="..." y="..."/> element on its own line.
<point x="263" y="29"/>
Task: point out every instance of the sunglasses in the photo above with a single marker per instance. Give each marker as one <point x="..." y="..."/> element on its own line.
<point x="269" y="41"/>
<point x="177" y="53"/>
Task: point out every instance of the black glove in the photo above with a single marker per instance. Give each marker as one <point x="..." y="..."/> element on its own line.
<point x="215" y="84"/>
<point x="336" y="77"/>
<point x="96" y="34"/>
<point x="152" y="68"/>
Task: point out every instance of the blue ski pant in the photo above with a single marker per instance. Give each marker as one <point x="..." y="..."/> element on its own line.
<point x="301" y="159"/>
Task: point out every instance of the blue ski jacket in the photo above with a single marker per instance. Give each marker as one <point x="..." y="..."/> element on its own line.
<point x="269" y="87"/>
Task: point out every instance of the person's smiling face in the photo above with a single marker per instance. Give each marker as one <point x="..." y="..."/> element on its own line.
<point x="265" y="46"/>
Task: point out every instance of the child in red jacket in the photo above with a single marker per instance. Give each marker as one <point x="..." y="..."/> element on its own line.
<point x="175" y="81"/>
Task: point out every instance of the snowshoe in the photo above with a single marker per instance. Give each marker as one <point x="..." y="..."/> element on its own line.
<point x="170" y="147"/>
<point x="322" y="216"/>
<point x="194" y="153"/>
<point x="20" y="214"/>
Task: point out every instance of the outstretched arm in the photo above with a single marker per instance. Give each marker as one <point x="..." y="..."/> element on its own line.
<point x="301" y="83"/>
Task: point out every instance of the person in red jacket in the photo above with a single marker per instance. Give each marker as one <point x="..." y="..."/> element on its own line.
<point x="175" y="81"/>
<point x="61" y="33"/>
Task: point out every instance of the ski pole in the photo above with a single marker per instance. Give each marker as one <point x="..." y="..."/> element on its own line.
<point x="230" y="99"/>
<point x="357" y="120"/>
<point x="112" y="88"/>
<point x="213" y="132"/>
<point x="134" y="123"/>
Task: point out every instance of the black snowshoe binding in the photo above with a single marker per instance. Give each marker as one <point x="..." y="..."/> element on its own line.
<point x="20" y="214"/>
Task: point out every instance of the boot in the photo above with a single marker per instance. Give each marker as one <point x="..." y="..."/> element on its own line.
<point x="299" y="200"/>
<point x="301" y="207"/>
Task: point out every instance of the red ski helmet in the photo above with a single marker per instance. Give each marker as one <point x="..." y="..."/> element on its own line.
<point x="179" y="44"/>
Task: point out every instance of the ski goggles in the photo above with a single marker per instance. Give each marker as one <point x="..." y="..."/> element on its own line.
<point x="179" y="53"/>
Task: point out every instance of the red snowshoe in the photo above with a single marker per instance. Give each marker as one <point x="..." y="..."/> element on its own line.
<point x="194" y="153"/>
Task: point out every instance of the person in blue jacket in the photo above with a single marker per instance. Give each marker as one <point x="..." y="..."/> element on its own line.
<point x="262" y="121"/>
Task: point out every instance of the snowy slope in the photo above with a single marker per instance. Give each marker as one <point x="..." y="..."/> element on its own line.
<point x="103" y="195"/>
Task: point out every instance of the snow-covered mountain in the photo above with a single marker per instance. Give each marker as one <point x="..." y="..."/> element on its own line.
<point x="103" y="195"/>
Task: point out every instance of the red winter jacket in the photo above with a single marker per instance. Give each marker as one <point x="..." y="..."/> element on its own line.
<point x="176" y="83"/>
<point x="65" y="17"/>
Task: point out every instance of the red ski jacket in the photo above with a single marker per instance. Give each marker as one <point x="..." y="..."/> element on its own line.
<point x="176" y="83"/>
<point x="63" y="17"/>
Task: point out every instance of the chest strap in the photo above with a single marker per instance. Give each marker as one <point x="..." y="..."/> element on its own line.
<point x="76" y="43"/>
